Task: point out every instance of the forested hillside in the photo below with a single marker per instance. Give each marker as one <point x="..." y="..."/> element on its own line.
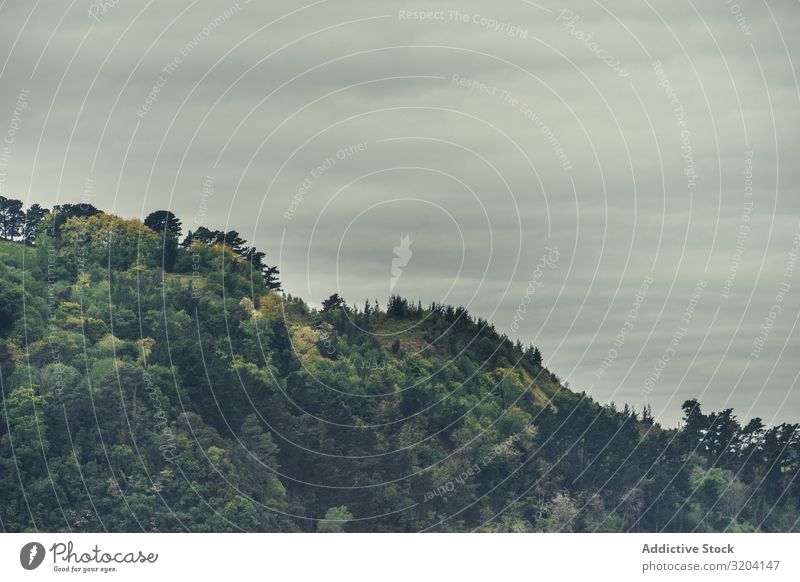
<point x="159" y="381"/>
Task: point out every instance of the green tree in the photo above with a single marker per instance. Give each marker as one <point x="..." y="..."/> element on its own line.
<point x="164" y="220"/>
<point x="60" y="214"/>
<point x="332" y="303"/>
<point x="10" y="302"/>
<point x="109" y="241"/>
<point x="33" y="218"/>
<point x="12" y="218"/>
<point x="335" y="520"/>
<point x="168" y="227"/>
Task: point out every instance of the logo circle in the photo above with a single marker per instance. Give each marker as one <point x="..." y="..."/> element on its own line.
<point x="31" y="555"/>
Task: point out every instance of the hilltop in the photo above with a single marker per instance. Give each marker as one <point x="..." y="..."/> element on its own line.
<point x="153" y="381"/>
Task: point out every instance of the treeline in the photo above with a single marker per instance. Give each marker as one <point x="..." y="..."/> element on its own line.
<point x="145" y="391"/>
<point x="16" y="224"/>
<point x="24" y="226"/>
<point x="593" y="467"/>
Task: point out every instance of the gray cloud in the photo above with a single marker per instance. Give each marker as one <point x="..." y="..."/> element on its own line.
<point x="491" y="155"/>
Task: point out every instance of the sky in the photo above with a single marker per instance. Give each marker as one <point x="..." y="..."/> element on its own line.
<point x="614" y="182"/>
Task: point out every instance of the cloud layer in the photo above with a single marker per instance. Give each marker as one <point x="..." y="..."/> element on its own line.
<point x="653" y="145"/>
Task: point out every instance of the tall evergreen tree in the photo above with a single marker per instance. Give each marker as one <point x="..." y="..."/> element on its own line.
<point x="12" y="218"/>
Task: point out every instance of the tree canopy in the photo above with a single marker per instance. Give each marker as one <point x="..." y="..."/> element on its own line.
<point x="144" y="396"/>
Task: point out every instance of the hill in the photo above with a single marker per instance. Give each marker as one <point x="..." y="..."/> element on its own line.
<point x="157" y="383"/>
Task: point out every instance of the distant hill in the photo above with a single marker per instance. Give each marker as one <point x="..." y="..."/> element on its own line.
<point x="161" y="382"/>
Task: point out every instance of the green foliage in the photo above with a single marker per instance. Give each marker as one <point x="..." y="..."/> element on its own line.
<point x="12" y="218"/>
<point x="162" y="221"/>
<point x="108" y="241"/>
<point x="333" y="302"/>
<point x="169" y="227"/>
<point x="335" y="520"/>
<point x="10" y="302"/>
<point x="150" y="395"/>
<point x="34" y="216"/>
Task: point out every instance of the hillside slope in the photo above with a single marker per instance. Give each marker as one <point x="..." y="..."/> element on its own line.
<point x="155" y="386"/>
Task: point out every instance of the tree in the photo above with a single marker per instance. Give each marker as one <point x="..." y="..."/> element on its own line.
<point x="752" y="438"/>
<point x="203" y="235"/>
<point x="271" y="278"/>
<point x="397" y="307"/>
<point x="80" y="210"/>
<point x="166" y="224"/>
<point x="233" y="241"/>
<point x="236" y="244"/>
<point x="695" y="425"/>
<point x="60" y="214"/>
<point x="230" y="239"/>
<point x="268" y="274"/>
<point x="722" y="441"/>
<point x="33" y="218"/>
<point x="647" y="415"/>
<point x="188" y="240"/>
<point x="12" y="218"/>
<point x="560" y="514"/>
<point x="334" y="520"/>
<point x="260" y="445"/>
<point x="164" y="220"/>
<point x="258" y="442"/>
<point x="333" y="302"/>
<point x="781" y="444"/>
<point x="10" y="304"/>
<point x="281" y="348"/>
<point x="709" y="487"/>
<point x="26" y="433"/>
<point x="109" y="241"/>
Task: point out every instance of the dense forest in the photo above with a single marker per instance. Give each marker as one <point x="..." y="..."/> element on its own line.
<point x="155" y="380"/>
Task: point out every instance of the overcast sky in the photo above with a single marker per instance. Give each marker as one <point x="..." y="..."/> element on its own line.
<point x="651" y="146"/>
